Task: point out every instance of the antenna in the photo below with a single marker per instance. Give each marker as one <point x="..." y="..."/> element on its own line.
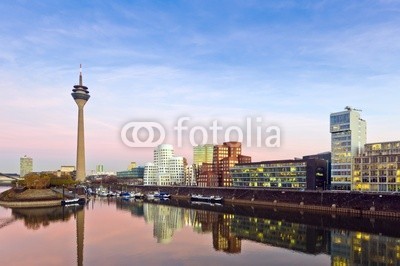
<point x="80" y="74"/>
<point x="349" y="108"/>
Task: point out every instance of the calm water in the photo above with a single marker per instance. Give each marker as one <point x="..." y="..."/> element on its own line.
<point x="117" y="232"/>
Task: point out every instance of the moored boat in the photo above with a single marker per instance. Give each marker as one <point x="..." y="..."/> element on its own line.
<point x="212" y="198"/>
<point x="75" y="201"/>
<point x="138" y="195"/>
<point x="162" y="195"/>
<point x="125" y="195"/>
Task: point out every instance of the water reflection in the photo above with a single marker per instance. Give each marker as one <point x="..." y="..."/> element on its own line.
<point x="131" y="233"/>
<point x="356" y="248"/>
<point x="35" y="218"/>
<point x="229" y="230"/>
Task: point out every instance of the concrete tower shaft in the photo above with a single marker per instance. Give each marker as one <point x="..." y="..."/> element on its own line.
<point x="81" y="95"/>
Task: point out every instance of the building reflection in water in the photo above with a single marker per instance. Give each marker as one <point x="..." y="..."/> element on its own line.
<point x="229" y="230"/>
<point x="356" y="248"/>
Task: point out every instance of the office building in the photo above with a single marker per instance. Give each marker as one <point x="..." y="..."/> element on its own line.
<point x="378" y="168"/>
<point x="225" y="156"/>
<point x="133" y="176"/>
<point x="327" y="156"/>
<point x="99" y="168"/>
<point x="296" y="174"/>
<point x="348" y="136"/>
<point x="203" y="154"/>
<point x="25" y="165"/>
<point x="206" y="177"/>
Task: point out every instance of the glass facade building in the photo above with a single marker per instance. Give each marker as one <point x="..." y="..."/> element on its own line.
<point x="348" y="136"/>
<point x="378" y="168"/>
<point x="203" y="154"/>
<point x="283" y="174"/>
<point x="134" y="173"/>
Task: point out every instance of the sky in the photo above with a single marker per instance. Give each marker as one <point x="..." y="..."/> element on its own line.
<point x="288" y="64"/>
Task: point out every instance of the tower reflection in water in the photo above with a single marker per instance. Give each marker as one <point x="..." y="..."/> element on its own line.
<point x="345" y="247"/>
<point x="229" y="230"/>
<point x="35" y="218"/>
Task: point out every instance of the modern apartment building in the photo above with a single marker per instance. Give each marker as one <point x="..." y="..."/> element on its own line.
<point x="176" y="169"/>
<point x="225" y="157"/>
<point x="348" y="136"/>
<point x="378" y="167"/>
<point x="167" y="169"/>
<point x="283" y="174"/>
<point x="25" y="165"/>
<point x="150" y="174"/>
<point x="206" y="176"/>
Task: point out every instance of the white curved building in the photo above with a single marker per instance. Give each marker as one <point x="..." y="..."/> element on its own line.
<point x="166" y="170"/>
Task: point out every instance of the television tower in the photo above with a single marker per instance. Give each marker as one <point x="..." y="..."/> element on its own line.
<point x="81" y="95"/>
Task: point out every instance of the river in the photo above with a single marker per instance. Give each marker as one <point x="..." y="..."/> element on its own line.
<point x="119" y="232"/>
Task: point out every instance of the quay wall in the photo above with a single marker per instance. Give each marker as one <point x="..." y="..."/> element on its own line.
<point x="356" y="203"/>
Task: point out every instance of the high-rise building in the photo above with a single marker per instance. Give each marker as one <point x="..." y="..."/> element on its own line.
<point x="150" y="174"/>
<point x="25" y="165"/>
<point x="203" y="154"/>
<point x="81" y="95"/>
<point x="176" y="170"/>
<point x="378" y="168"/>
<point x="167" y="169"/>
<point x="99" y="168"/>
<point x="190" y="175"/>
<point x="348" y="136"/>
<point x="206" y="176"/>
<point x="225" y="156"/>
<point x="162" y="154"/>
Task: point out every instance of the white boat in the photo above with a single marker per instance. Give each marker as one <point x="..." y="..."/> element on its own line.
<point x="101" y="191"/>
<point x="137" y="195"/>
<point x="162" y="195"/>
<point x="75" y="201"/>
<point x="150" y="195"/>
<point x="212" y="198"/>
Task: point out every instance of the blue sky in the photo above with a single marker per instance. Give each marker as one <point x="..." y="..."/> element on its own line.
<point x="290" y="62"/>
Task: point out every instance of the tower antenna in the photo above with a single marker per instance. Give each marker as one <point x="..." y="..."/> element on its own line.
<point x="80" y="74"/>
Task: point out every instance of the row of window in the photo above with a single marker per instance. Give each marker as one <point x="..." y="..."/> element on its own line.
<point x="377" y="159"/>
<point x="268" y="184"/>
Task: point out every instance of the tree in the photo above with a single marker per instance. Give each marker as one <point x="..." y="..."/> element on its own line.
<point x="37" y="181"/>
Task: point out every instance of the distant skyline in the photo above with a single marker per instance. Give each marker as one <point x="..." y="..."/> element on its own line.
<point x="292" y="63"/>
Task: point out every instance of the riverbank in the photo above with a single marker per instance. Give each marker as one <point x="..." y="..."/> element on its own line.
<point x="340" y="202"/>
<point x="30" y="198"/>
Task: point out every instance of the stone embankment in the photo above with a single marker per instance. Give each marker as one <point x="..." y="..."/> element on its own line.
<point x="353" y="203"/>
